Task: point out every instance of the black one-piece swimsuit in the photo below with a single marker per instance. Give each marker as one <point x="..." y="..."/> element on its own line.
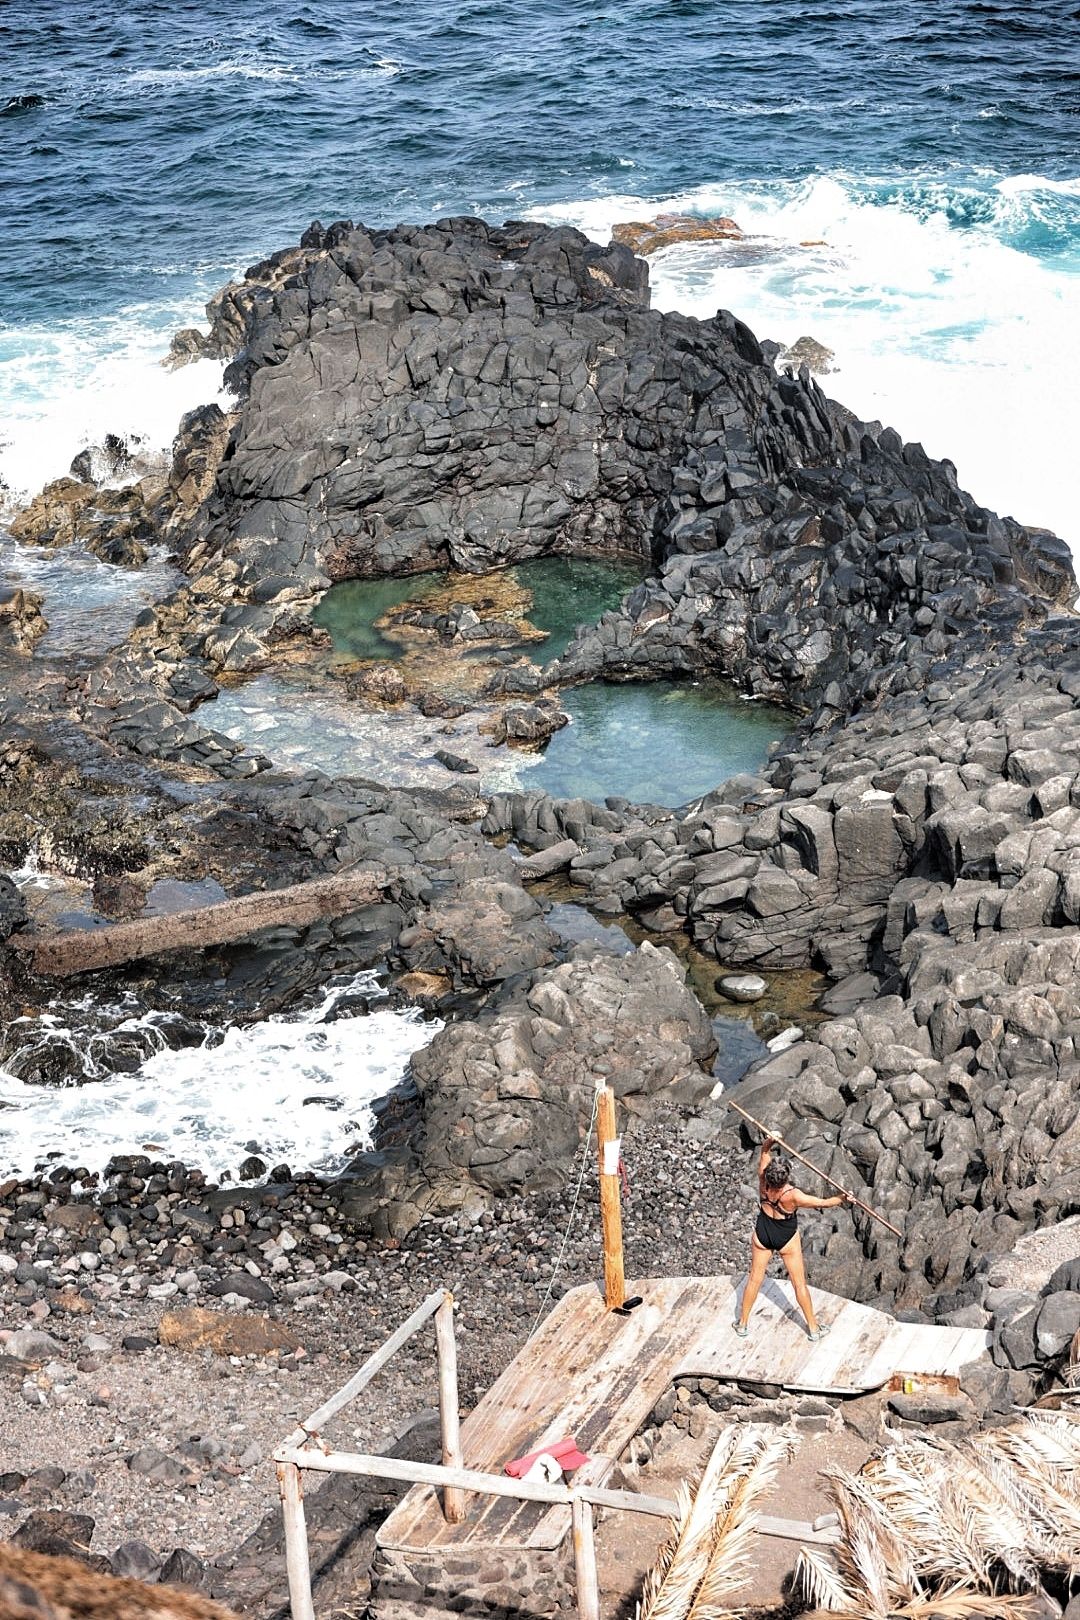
<point x="773" y="1233"/>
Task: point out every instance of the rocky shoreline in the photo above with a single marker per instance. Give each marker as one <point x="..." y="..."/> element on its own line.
<point x="470" y="396"/>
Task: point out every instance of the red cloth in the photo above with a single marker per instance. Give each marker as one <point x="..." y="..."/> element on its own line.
<point x="565" y="1453"/>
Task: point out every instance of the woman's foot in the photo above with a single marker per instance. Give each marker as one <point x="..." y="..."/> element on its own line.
<point x="820" y="1332"/>
<point x="740" y="1329"/>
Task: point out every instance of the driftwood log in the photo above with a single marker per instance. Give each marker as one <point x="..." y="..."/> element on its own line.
<point x="86" y="950"/>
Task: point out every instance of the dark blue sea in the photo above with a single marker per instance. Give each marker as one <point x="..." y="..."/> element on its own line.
<point x="909" y="175"/>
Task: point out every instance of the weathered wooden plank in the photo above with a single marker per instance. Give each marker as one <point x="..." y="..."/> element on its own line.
<point x="863" y="1350"/>
<point x="87" y="950"/>
<point x="587" y="1373"/>
<point x="827" y="1535"/>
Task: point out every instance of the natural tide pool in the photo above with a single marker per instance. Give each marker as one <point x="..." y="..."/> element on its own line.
<point x="656" y="742"/>
<point x="665" y="742"/>
<point x="564" y="591"/>
<point x="660" y="742"/>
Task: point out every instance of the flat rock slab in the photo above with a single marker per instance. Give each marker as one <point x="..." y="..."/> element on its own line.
<point x="226" y="1333"/>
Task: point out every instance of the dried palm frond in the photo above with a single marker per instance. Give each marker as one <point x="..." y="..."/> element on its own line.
<point x="1046" y="1443"/>
<point x="963" y="1510"/>
<point x="696" y="1551"/>
<point x="819" y="1580"/>
<point x="938" y="1526"/>
<point x="657" y="1574"/>
<point x="669" y="1587"/>
<point x="733" y="1528"/>
<point x="1037" y="1458"/>
<point x="928" y="1527"/>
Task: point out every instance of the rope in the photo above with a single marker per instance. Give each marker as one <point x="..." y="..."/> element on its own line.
<point x="570" y="1218"/>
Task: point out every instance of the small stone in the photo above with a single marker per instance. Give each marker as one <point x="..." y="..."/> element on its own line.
<point x="182" y="1568"/>
<point x="155" y="1465"/>
<point x="30" y="1344"/>
<point x="742" y="987"/>
<point x="245" y="1285"/>
<point x="57" y="1532"/>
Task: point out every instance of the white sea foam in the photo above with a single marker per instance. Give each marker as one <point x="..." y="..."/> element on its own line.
<point x="232" y="69"/>
<point x="67" y="386"/>
<point x="297" y="1089"/>
<point x="943" y="330"/>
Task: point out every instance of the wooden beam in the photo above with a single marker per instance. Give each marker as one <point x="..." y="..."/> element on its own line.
<point x="318" y="1420"/>
<point x="470" y="1479"/>
<point x="88" y="950"/>
<point x="826" y="1534"/>
<point x="453" y="1499"/>
<point x="297" y="1557"/>
<point x="610" y="1206"/>
<point x="588" y="1584"/>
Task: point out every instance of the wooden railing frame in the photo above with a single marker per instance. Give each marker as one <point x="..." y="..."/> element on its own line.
<point x="306" y="1450"/>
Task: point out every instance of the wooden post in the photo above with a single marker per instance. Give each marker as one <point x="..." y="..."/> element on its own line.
<point x="610" y="1207"/>
<point x="291" y="1488"/>
<point x="588" y="1585"/>
<point x="453" y="1498"/>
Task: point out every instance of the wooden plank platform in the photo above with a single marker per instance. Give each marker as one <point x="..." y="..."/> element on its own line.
<point x="585" y="1372"/>
<point x="862" y="1351"/>
<point x="597" y="1376"/>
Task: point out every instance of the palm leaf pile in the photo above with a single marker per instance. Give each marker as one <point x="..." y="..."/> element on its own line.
<point x="929" y="1527"/>
<point x="705" y="1558"/>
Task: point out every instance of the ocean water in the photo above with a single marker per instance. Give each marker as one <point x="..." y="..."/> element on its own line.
<point x="297" y="1088"/>
<point x="928" y="152"/>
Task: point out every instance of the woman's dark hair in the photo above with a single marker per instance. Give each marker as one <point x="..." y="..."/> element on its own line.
<point x="778" y="1171"/>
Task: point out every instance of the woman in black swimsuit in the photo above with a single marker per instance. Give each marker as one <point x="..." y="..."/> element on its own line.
<point x="776" y="1231"/>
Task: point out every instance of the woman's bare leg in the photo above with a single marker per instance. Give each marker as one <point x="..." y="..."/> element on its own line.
<point x="792" y="1256"/>
<point x="759" y="1265"/>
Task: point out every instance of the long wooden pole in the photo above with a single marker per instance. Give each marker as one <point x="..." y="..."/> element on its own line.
<point x="473" y="1479"/>
<point x="297" y="1558"/>
<point x="588" y="1584"/>
<point x="453" y="1498"/>
<point x="779" y="1140"/>
<point x="363" y="1375"/>
<point x="610" y="1206"/>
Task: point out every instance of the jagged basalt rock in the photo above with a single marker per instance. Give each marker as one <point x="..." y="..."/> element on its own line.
<point x="473" y="395"/>
<point x="527" y="725"/>
<point x="506" y="1099"/>
<point x="114" y="524"/>
<point x="22" y="623"/>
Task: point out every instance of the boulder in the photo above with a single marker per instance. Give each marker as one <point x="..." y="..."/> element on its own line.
<point x="505" y="1100"/>
<point x="1056" y="1323"/>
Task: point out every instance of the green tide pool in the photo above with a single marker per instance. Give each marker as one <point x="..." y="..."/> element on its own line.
<point x="566" y="592"/>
